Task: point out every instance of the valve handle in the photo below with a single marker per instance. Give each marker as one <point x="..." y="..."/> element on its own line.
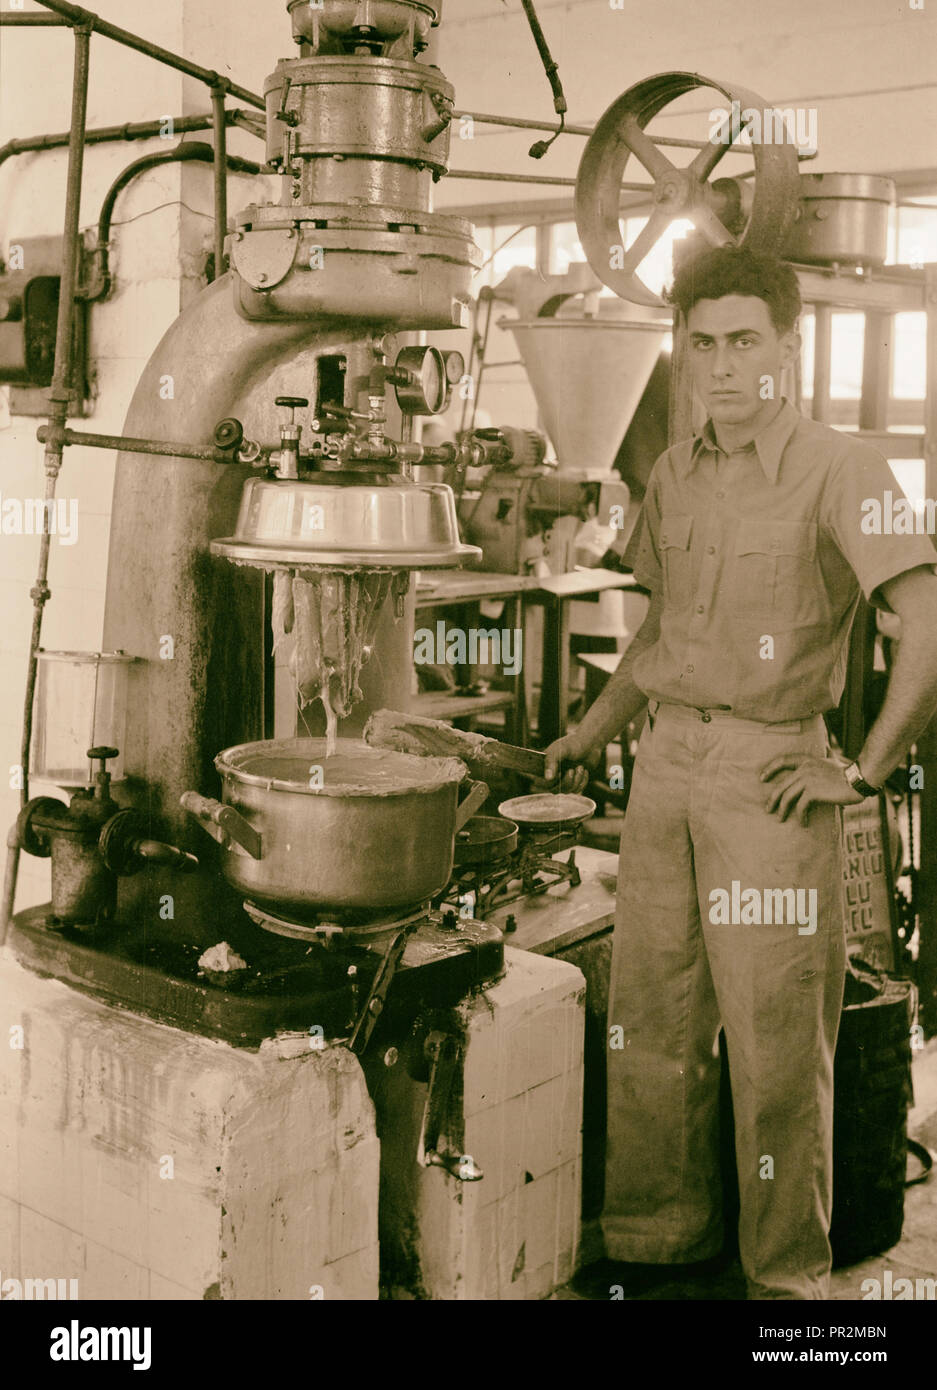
<point x="292" y="402"/>
<point x="103" y="751"/>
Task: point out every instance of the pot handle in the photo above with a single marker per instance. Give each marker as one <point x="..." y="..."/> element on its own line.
<point x="218" y="818"/>
<point x="477" y="796"/>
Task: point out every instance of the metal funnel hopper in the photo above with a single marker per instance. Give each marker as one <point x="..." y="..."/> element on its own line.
<point x="588" y="375"/>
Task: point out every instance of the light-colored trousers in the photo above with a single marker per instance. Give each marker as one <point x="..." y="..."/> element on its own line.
<point x="696" y="824"/>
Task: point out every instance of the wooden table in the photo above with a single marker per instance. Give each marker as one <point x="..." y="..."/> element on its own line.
<point x="564" y="915"/>
<point x="467" y="589"/>
<point x="555" y="594"/>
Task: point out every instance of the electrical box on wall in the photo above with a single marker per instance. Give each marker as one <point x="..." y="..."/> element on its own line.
<point x="29" y="300"/>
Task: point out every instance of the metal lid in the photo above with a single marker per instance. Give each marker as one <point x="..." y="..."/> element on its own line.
<point x="289" y="523"/>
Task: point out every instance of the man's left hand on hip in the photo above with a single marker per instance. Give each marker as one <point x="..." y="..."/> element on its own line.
<point x="800" y="783"/>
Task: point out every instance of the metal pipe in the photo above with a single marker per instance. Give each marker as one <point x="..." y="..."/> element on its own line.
<point x="677" y="142"/>
<point x="75" y="15"/>
<point x="100" y="284"/>
<point x="33" y="21"/>
<point x="535" y="178"/>
<point x="220" y="173"/>
<point x="11" y="874"/>
<point x="130" y="130"/>
<point x="164" y="447"/>
<point x="62" y="371"/>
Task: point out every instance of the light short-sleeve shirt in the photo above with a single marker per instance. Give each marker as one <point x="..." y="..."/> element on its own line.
<point x="760" y="556"/>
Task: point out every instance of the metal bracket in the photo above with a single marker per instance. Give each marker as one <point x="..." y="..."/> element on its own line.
<point x="442" y="1133"/>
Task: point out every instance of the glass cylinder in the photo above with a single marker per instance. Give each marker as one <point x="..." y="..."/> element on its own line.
<point x="81" y="702"/>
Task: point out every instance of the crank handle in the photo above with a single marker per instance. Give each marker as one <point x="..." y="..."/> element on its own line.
<point x="156" y="852"/>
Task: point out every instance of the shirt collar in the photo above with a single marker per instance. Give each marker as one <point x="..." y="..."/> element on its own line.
<point x="769" y="443"/>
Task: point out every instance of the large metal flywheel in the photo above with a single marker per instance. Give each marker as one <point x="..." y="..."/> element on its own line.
<point x="755" y="212"/>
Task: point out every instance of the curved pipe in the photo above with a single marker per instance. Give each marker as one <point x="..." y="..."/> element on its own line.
<point x="195" y="150"/>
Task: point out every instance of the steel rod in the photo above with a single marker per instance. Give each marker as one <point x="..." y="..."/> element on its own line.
<point x="130" y="130"/>
<point x="220" y="177"/>
<point x="675" y="141"/>
<point x="47" y="434"/>
<point x="489" y="177"/>
<point x="33" y="21"/>
<point x="75" y="15"/>
<point x="62" y="372"/>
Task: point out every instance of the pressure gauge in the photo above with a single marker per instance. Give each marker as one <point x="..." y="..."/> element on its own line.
<point x="420" y="380"/>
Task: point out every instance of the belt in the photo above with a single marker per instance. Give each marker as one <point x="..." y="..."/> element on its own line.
<point x="692" y="714"/>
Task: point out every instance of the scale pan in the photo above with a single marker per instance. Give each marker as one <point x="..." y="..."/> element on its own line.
<point x="545" y="809"/>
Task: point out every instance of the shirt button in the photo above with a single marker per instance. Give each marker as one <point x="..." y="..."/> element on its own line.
<point x="720" y="495"/>
<point x="689" y="670"/>
<point x="700" y="608"/>
<point x="710" y="550"/>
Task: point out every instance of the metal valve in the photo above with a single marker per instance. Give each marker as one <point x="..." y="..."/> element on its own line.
<point x="91" y="842"/>
<point x="290" y="434"/>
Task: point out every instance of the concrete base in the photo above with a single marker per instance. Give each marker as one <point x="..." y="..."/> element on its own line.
<point x="513" y="1235"/>
<point x="148" y="1163"/>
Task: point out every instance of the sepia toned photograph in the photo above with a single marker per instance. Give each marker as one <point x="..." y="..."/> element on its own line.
<point x="468" y="497"/>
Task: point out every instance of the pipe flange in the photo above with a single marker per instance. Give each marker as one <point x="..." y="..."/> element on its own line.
<point x="117" y="839"/>
<point x="31" y="836"/>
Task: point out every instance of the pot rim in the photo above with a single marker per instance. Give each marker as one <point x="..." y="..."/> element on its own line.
<point x="448" y="770"/>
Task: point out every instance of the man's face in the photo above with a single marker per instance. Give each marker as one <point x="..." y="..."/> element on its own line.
<point x="735" y="350"/>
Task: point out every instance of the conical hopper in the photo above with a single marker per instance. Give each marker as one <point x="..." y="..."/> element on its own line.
<point x="588" y="376"/>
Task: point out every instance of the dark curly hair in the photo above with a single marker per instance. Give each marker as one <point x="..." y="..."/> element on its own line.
<point x="734" y="270"/>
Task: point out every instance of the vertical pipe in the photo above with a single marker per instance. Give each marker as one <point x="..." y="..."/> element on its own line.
<point x="59" y="398"/>
<point x="876" y="371"/>
<point x="926" y="883"/>
<point x="680" y="425"/>
<point x="220" y="169"/>
<point x="822" y="348"/>
<point x="62" y="373"/>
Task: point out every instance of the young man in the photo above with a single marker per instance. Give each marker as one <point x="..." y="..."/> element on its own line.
<point x="752" y="545"/>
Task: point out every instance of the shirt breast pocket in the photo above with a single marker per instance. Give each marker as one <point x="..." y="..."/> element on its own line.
<point x="675" y="531"/>
<point x="777" y="578"/>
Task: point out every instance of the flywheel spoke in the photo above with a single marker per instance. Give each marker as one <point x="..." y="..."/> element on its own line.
<point x="648" y="237"/>
<point x="708" y="225"/>
<point x="642" y="146"/>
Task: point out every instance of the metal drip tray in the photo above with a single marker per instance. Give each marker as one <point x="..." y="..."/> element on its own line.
<point x="290" y="985"/>
<point x="286" y="523"/>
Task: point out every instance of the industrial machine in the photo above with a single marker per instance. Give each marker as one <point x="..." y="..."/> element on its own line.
<point x="588" y="359"/>
<point x="237" y="882"/>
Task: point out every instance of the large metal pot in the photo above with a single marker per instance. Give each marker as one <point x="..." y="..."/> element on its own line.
<point x="304" y="835"/>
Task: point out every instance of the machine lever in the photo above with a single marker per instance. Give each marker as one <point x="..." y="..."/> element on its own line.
<point x="156" y="852"/>
<point x="442" y="1131"/>
<point x="220" y="820"/>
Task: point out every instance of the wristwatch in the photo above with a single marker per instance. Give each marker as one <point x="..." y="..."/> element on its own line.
<point x="858" y="783"/>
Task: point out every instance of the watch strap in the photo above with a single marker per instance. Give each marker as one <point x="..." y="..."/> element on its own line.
<point x="858" y="783"/>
